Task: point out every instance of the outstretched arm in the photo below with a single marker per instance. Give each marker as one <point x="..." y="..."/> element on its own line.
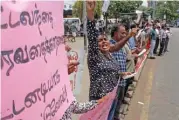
<point x="122" y="42"/>
<point x="84" y="107"/>
<point x="80" y="108"/>
<point x="91" y="30"/>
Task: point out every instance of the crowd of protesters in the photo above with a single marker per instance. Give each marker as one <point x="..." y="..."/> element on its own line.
<point x="110" y="60"/>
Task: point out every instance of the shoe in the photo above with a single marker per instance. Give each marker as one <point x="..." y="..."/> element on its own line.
<point x="161" y="54"/>
<point x="152" y="57"/>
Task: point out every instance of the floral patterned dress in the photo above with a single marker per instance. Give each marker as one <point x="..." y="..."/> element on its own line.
<point x="78" y="108"/>
<point x="104" y="72"/>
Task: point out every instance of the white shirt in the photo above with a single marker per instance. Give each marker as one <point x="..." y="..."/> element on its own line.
<point x="157" y="31"/>
<point x="168" y="33"/>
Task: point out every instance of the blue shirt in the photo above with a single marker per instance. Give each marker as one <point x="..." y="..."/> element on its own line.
<point x="121" y="58"/>
<point x="132" y="43"/>
<point x="153" y="34"/>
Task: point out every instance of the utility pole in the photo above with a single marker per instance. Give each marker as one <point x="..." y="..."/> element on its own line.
<point x="154" y="9"/>
<point x="84" y="26"/>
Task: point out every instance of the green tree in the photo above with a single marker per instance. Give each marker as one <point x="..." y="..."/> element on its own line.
<point x="168" y="8"/>
<point x="126" y="6"/>
<point x="78" y="9"/>
<point x="146" y="9"/>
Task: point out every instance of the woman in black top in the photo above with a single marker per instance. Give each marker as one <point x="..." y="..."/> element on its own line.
<point x="103" y="69"/>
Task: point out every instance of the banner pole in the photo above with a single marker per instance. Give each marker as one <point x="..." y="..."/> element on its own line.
<point x="84" y="26"/>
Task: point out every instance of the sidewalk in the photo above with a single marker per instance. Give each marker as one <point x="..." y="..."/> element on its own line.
<point x="83" y="96"/>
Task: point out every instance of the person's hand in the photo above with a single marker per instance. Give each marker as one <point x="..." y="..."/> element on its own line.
<point x="133" y="32"/>
<point x="90" y="7"/>
<point x="103" y="99"/>
<point x="67" y="48"/>
<point x="138" y="50"/>
<point x="135" y="55"/>
<point x="126" y="73"/>
<point x="72" y="66"/>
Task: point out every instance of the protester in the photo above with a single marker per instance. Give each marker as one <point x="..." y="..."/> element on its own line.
<point x="153" y="35"/>
<point x="157" y="39"/>
<point x="103" y="68"/>
<point x="130" y="64"/>
<point x="79" y="108"/>
<point x="143" y="37"/>
<point x="163" y="36"/>
<point x="118" y="32"/>
<point x="132" y="41"/>
<point x="168" y="32"/>
<point x="76" y="107"/>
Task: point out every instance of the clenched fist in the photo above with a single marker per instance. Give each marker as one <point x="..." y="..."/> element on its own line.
<point x="90" y="7"/>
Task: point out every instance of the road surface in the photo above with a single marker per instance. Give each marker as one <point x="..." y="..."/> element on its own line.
<point x="156" y="96"/>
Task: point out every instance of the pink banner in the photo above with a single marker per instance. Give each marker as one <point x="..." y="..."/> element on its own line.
<point x="101" y="112"/>
<point x="34" y="84"/>
<point x="140" y="60"/>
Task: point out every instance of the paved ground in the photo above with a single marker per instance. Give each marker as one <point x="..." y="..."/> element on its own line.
<point x="156" y="96"/>
<point x="83" y="96"/>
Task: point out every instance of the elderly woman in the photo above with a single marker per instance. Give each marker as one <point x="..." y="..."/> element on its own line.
<point x="103" y="69"/>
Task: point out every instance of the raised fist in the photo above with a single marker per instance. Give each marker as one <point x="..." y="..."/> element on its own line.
<point x="90" y="5"/>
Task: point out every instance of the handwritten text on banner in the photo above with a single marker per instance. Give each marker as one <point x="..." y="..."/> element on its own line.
<point x="35" y="84"/>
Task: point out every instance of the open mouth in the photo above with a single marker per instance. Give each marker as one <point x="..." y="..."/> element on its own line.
<point x="105" y="46"/>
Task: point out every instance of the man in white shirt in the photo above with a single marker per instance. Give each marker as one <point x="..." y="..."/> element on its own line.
<point x="163" y="36"/>
<point x="167" y="39"/>
<point x="157" y="39"/>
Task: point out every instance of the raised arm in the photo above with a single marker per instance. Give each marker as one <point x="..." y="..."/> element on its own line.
<point x="122" y="42"/>
<point x="91" y="29"/>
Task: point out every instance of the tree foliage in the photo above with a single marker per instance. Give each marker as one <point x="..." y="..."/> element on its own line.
<point x="126" y="6"/>
<point x="147" y="10"/>
<point x="168" y="8"/>
<point x="78" y="9"/>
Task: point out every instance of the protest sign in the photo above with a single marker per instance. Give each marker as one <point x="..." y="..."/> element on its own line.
<point x="140" y="60"/>
<point x="101" y="112"/>
<point x="76" y="77"/>
<point x="34" y="84"/>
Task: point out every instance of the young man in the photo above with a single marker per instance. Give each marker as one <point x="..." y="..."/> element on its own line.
<point x="163" y="37"/>
<point x="167" y="39"/>
<point x="132" y="41"/>
<point x="157" y="39"/>
<point x="153" y="35"/>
